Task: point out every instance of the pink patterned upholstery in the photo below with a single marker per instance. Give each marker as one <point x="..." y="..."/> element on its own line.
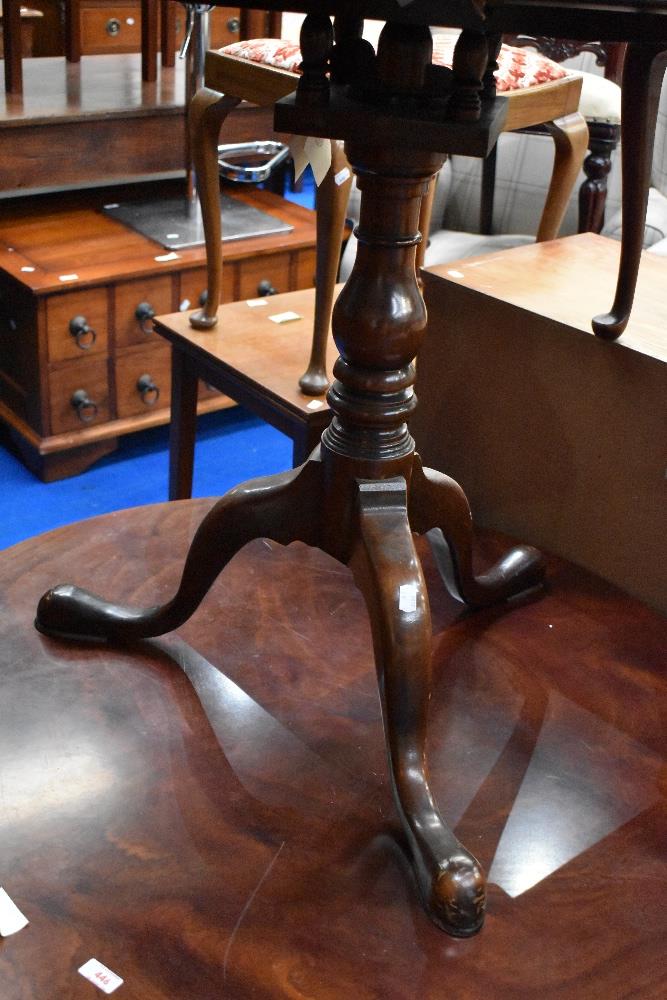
<point x="268" y="51"/>
<point x="517" y="68"/>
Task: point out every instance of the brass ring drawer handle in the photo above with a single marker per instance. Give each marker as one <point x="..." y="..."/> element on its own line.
<point x="84" y="334"/>
<point x="85" y="408"/>
<point x="148" y="390"/>
<point x="145" y="313"/>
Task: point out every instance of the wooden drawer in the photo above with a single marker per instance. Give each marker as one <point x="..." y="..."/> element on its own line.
<point x="156" y="292"/>
<point x="112" y="27"/>
<point x="116" y="27"/>
<point x="150" y="363"/>
<point x="193" y="284"/>
<point x="92" y="377"/>
<point x="273" y="268"/>
<point x="92" y="305"/>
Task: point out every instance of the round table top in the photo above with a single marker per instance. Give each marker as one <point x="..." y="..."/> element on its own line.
<point x="208" y="814"/>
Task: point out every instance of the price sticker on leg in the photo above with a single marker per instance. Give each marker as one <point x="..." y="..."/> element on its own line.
<point x="100" y="976"/>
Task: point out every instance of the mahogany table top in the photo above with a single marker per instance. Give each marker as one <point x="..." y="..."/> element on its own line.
<point x="607" y="20"/>
<point x="209" y="816"/>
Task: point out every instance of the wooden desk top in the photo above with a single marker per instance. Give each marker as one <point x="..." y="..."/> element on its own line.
<point x="569" y="280"/>
<point x="98" y="86"/>
<point x="209" y="816"/>
<point x="248" y="346"/>
<point x="41" y="241"/>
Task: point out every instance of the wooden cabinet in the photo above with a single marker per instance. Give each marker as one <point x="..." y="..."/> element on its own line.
<point x="79" y="362"/>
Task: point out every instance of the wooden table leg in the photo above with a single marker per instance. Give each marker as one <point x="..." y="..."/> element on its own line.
<point x="183" y="426"/>
<point x="643" y="71"/>
<point x="12" y="50"/>
<point x="149" y="33"/>
<point x="388" y="572"/>
<point x="332" y="198"/>
<point x="206" y="114"/>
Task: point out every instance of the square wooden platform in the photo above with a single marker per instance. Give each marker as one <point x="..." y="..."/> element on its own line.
<point x="556" y="436"/>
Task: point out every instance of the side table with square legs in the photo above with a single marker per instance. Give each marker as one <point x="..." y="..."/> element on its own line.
<point x="256" y="362"/>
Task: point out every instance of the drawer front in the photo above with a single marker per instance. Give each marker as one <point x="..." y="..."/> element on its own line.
<point x="193" y="285"/>
<point x="224" y="26"/>
<point x="69" y="339"/>
<point x="110" y="28"/>
<point x="143" y="380"/>
<point x="86" y="382"/>
<point x="272" y="269"/>
<point x="152" y="294"/>
<point x="116" y="27"/>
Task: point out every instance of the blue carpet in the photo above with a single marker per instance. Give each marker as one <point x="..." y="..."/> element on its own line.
<point x="232" y="446"/>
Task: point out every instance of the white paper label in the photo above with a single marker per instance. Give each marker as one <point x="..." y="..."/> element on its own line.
<point x="254" y="303"/>
<point x="285" y="317"/>
<point x="342" y="176"/>
<point x="315" y="404"/>
<point x="184" y="306"/>
<point x="68" y="277"/>
<point x="102" y="977"/>
<point x="407" y="597"/>
<point x="318" y="151"/>
<point x="296" y="148"/>
<point x="166" y="256"/>
<point x="11" y="918"/>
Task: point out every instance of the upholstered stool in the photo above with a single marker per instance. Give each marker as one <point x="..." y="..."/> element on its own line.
<point x="539" y="91"/>
<point x="268" y="72"/>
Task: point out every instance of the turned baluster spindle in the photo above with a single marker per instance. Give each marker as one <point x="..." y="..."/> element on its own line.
<point x="494" y="44"/>
<point x="316" y="41"/>
<point x="351" y="52"/>
<point x="408" y="47"/>
<point x="471" y="57"/>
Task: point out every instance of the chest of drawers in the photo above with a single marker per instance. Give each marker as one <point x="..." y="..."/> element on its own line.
<point x="79" y="362"/>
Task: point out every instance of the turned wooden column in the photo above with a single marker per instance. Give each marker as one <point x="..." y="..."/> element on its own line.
<point x="378" y="324"/>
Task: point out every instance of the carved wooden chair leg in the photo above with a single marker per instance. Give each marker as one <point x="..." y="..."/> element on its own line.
<point x="643" y="71"/>
<point x="387" y="570"/>
<point x="604" y="137"/>
<point x="208" y="110"/>
<point x="332" y="198"/>
<point x="570" y="135"/>
<point x="438" y="502"/>
<point x="285" y="508"/>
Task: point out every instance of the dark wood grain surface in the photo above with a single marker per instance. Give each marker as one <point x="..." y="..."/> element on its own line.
<point x="209" y="814"/>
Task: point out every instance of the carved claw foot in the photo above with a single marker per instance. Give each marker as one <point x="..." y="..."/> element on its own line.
<point x="387" y="570"/>
<point x="457" y="902"/>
